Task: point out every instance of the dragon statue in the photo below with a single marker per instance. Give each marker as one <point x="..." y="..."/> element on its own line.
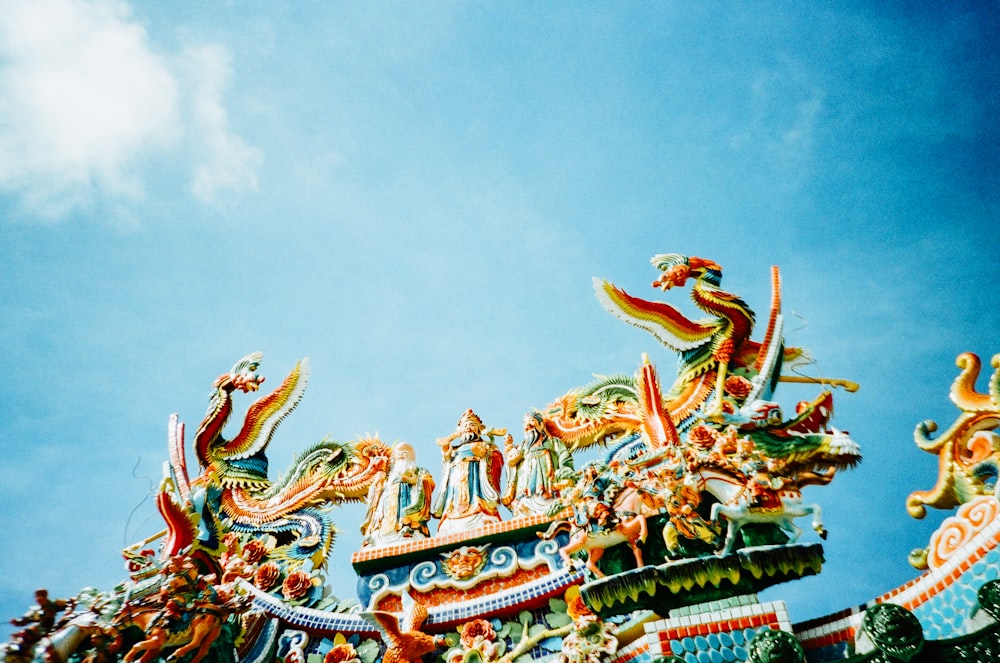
<point x="702" y="481"/>
<point x="739" y="470"/>
<point x="232" y="524"/>
<point x="721" y="371"/>
<point x="968" y="466"/>
<point x="713" y="447"/>
<point x="291" y="515"/>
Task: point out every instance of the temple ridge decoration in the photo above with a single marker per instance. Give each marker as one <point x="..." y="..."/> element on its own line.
<point x="969" y="450"/>
<point x="517" y="551"/>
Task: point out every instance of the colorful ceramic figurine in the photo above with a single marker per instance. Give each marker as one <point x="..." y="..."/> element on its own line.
<point x="399" y="502"/>
<point x="188" y="613"/>
<point x="43" y="613"/>
<point x="536" y="469"/>
<point x="969" y="450"/>
<point x="609" y="508"/>
<point x="233" y="492"/>
<point x="402" y="634"/>
<point x="700" y="461"/>
<point x="470" y="483"/>
<point x="38" y="622"/>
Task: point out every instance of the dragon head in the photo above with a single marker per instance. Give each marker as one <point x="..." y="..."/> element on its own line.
<point x="677" y="269"/>
<point x="242" y="460"/>
<point x="598" y="413"/>
<point x="242" y="376"/>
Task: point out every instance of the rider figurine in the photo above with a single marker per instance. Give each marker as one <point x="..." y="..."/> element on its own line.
<point x="761" y="484"/>
<point x="44" y="612"/>
<point x="596" y="493"/>
<point x="178" y="590"/>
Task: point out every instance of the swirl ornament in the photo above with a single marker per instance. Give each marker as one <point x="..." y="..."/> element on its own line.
<point x="546" y="552"/>
<point x="292" y="646"/>
<point x="380" y="585"/>
<point x="422" y="576"/>
<point x="961" y="528"/>
<point x="969" y="450"/>
<point x="503" y="557"/>
<point x="378" y="582"/>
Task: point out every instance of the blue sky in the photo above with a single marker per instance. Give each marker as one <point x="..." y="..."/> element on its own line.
<point x="416" y="196"/>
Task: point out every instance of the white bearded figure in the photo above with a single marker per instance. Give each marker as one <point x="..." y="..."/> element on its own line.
<point x="399" y="502"/>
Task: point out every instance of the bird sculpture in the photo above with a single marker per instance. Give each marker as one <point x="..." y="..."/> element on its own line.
<point x="405" y="642"/>
<point x="706" y="346"/>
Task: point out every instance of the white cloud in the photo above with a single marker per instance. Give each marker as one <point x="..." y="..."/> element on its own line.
<point x="85" y="101"/>
<point x="226" y="162"/>
<point x="81" y="94"/>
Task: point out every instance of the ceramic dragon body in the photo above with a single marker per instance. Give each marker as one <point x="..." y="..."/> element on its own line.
<point x="721" y="374"/>
<point x="232" y="502"/>
<point x="710" y="351"/>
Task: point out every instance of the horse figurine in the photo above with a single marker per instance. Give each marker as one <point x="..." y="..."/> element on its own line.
<point x="61" y="644"/>
<point x="191" y="628"/>
<point x="740" y="505"/>
<point x="633" y="506"/>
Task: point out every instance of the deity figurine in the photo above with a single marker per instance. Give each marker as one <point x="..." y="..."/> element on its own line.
<point x="535" y="469"/>
<point x="399" y="502"/>
<point x="471" y="468"/>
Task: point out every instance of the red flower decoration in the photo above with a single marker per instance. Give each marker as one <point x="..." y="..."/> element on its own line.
<point x="575" y="607"/>
<point x="253" y="552"/>
<point x="267" y="576"/>
<point x="701" y="436"/>
<point x="477" y="628"/>
<point x="296" y="585"/>
<point x="343" y="653"/>
<point x="738" y="387"/>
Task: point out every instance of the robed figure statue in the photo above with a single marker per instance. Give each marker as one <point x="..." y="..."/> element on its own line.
<point x="399" y="502"/>
<point x="537" y="469"/>
<point x="469" y="494"/>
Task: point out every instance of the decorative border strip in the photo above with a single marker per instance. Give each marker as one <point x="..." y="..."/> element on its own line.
<point x="448" y="540"/>
<point x="821" y="634"/>
<point x="318" y="621"/>
<point x="546" y="587"/>
<point x="921" y="589"/>
<point x="639" y="649"/>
